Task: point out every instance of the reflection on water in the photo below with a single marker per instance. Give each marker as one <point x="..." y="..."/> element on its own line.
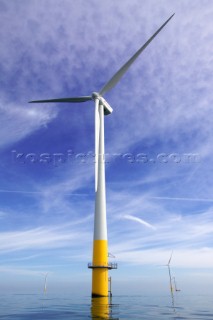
<point x="125" y="307"/>
<point x="103" y="308"/>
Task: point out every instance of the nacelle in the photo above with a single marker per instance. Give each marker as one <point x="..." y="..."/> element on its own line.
<point x="107" y="108"/>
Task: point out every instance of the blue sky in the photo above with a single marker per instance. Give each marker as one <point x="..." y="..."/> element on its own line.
<point x="162" y="113"/>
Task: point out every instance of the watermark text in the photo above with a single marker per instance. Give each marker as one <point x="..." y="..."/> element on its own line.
<point x="58" y="158"/>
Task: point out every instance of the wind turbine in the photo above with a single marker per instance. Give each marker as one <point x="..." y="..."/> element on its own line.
<point x="45" y="281"/>
<point x="100" y="265"/>
<point x="170" y="278"/>
<point x="170" y="282"/>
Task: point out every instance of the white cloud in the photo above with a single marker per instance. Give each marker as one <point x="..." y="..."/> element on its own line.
<point x="43" y="238"/>
<point x="21" y="121"/>
<point x="188" y="234"/>
<point x="183" y="199"/>
<point x="146" y="224"/>
<point x="20" y="271"/>
<point x="182" y="258"/>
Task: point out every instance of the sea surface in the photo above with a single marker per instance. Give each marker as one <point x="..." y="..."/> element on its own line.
<point x="64" y="307"/>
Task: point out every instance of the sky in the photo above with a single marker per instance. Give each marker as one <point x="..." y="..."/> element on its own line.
<point x="158" y="143"/>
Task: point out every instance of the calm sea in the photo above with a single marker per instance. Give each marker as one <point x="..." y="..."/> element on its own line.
<point x="44" y="307"/>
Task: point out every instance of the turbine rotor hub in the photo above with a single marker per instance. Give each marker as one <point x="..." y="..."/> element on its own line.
<point x="95" y="95"/>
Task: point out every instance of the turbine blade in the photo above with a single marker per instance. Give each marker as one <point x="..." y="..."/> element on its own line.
<point x="170" y="259"/>
<point x="114" y="80"/>
<point x="75" y="99"/>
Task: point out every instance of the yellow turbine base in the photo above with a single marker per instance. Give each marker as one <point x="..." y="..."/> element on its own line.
<point x="99" y="273"/>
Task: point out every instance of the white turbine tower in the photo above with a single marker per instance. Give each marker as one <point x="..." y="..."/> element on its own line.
<point x="100" y="264"/>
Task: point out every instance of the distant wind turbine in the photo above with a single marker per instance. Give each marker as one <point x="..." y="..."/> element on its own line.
<point x="170" y="278"/>
<point x="110" y="255"/>
<point x="45" y="281"/>
<point x="100" y="265"/>
<point x="170" y="281"/>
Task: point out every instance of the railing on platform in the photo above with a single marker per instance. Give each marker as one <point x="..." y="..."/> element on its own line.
<point x="109" y="266"/>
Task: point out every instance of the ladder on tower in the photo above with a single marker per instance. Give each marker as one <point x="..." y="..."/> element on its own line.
<point x="110" y="286"/>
